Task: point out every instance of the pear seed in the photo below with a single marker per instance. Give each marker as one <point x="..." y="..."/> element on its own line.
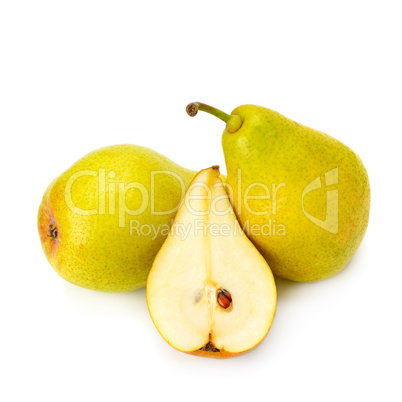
<point x="224" y="298"/>
<point x="198" y="296"/>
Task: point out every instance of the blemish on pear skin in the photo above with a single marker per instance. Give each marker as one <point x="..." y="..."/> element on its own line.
<point x="52" y="231"/>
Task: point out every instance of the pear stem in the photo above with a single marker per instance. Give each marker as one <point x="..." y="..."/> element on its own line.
<point x="193" y="108"/>
<point x="233" y="122"/>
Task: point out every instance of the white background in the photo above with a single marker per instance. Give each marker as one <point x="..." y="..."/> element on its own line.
<point x="78" y="75"/>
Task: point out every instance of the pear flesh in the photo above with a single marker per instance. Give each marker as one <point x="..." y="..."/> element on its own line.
<point x="209" y="291"/>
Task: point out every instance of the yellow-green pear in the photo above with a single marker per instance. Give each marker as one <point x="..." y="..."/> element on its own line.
<point x="102" y="222"/>
<point x="302" y="196"/>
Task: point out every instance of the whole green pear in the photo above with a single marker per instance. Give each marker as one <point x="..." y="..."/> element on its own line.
<point x="302" y="197"/>
<point x="102" y="222"/>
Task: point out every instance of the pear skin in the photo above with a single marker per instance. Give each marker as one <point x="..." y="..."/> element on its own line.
<point x="102" y="222"/>
<point x="302" y="196"/>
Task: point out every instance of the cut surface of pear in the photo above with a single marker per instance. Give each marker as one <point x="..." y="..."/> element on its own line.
<point x="209" y="291"/>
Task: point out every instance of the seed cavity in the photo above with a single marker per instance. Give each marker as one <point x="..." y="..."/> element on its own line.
<point x="224" y="298"/>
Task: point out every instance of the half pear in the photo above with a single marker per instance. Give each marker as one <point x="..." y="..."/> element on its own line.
<point x="209" y="291"/>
